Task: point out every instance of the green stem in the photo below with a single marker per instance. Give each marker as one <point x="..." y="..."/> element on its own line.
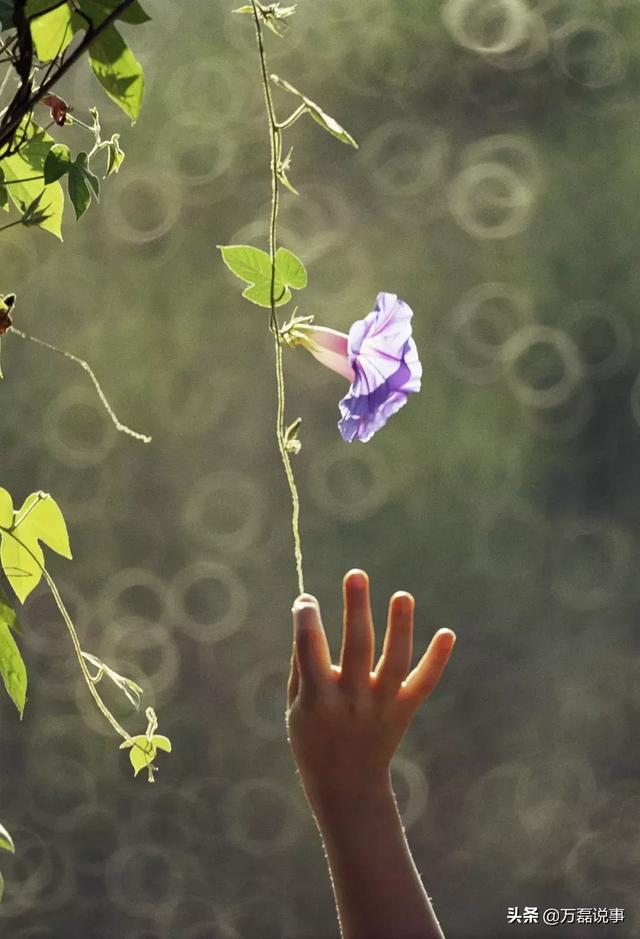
<point x="70" y="119"/>
<point x="275" y="142"/>
<point x="293" y="117"/>
<point x="18" y="221"/>
<point x="87" y="368"/>
<point x="102" y="707"/>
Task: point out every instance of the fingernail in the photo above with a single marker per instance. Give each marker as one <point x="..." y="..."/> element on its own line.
<point x="449" y="633"/>
<point x="305" y="599"/>
<point x="404" y="601"/>
<point x="357" y="579"/>
<point x="305" y="616"/>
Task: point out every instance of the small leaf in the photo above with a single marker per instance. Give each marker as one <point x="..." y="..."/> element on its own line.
<point x="57" y="163"/>
<point x="290" y="269"/>
<point x="82" y="161"/>
<point x="118" y="71"/>
<point x="79" y="194"/>
<point x="6" y="509"/>
<point x="6" y="841"/>
<point x="115" y="155"/>
<point x="323" y="119"/>
<point x="142" y="755"/>
<point x="12" y="668"/>
<point x="245" y="9"/>
<point x="161" y="743"/>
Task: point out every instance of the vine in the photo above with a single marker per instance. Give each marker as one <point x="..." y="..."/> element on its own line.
<point x="272" y="275"/>
<point x="22" y="531"/>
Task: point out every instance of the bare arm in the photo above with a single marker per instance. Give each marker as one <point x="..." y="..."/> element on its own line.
<point x="345" y="724"/>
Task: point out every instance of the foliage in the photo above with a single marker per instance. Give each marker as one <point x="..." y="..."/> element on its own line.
<point x="39" y="521"/>
<point x="271" y="275"/>
<point x="35" y="163"/>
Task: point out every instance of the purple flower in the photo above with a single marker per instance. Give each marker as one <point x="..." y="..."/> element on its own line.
<point x="378" y="357"/>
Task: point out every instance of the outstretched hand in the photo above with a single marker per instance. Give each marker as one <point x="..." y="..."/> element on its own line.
<point x="345" y="722"/>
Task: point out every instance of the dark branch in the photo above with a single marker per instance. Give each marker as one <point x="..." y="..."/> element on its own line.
<point x="25" y="98"/>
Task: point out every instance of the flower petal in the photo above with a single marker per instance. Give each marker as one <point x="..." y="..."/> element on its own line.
<point x="386" y="365"/>
<point x="331" y="348"/>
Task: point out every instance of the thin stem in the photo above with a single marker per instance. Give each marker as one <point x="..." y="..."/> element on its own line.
<point x="87" y="368"/>
<point x="14" y="182"/>
<point x="293" y="117"/>
<point x="275" y="144"/>
<point x="102" y="707"/>
<point x="70" y="119"/>
<point x="18" y="221"/>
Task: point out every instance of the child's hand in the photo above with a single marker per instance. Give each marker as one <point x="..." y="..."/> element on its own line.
<point x="346" y="722"/>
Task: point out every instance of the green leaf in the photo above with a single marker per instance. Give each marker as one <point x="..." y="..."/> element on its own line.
<point x="6" y="841"/>
<point x="143" y="751"/>
<point x="12" y="668"/>
<point x="162" y="743"/>
<point x="98" y="10"/>
<point x="40" y="519"/>
<point x="246" y="262"/>
<point x="81" y="182"/>
<point x="1" y="877"/>
<point x="8" y="614"/>
<point x="290" y="270"/>
<point x="52" y="33"/>
<point x="253" y="265"/>
<point x="245" y="9"/>
<point x="30" y="162"/>
<point x="4" y="195"/>
<point x="6" y="509"/>
<point x="82" y="162"/>
<point x="260" y="294"/>
<point x="321" y="117"/>
<point x="118" y="71"/>
<point x="115" y="155"/>
<point x="23" y="569"/>
<point x="57" y="163"/>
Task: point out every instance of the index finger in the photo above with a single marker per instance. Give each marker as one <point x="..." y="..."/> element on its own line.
<point x="311" y="648"/>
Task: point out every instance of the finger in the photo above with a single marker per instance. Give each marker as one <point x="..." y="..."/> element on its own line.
<point x="395" y="660"/>
<point x="356" y="660"/>
<point x="427" y="673"/>
<point x="311" y="647"/>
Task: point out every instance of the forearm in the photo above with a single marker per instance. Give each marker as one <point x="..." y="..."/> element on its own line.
<point x="378" y="891"/>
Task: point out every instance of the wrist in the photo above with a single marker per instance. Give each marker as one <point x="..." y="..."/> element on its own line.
<point x="349" y="799"/>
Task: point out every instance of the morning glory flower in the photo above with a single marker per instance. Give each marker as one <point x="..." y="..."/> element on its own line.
<point x="378" y="358"/>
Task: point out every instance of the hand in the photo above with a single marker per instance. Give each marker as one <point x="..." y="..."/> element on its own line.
<point x="345" y="722"/>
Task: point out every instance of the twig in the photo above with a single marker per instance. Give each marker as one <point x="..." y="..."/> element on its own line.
<point x="87" y="368"/>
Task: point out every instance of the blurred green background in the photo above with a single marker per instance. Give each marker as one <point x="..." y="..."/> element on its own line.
<point x="496" y="190"/>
